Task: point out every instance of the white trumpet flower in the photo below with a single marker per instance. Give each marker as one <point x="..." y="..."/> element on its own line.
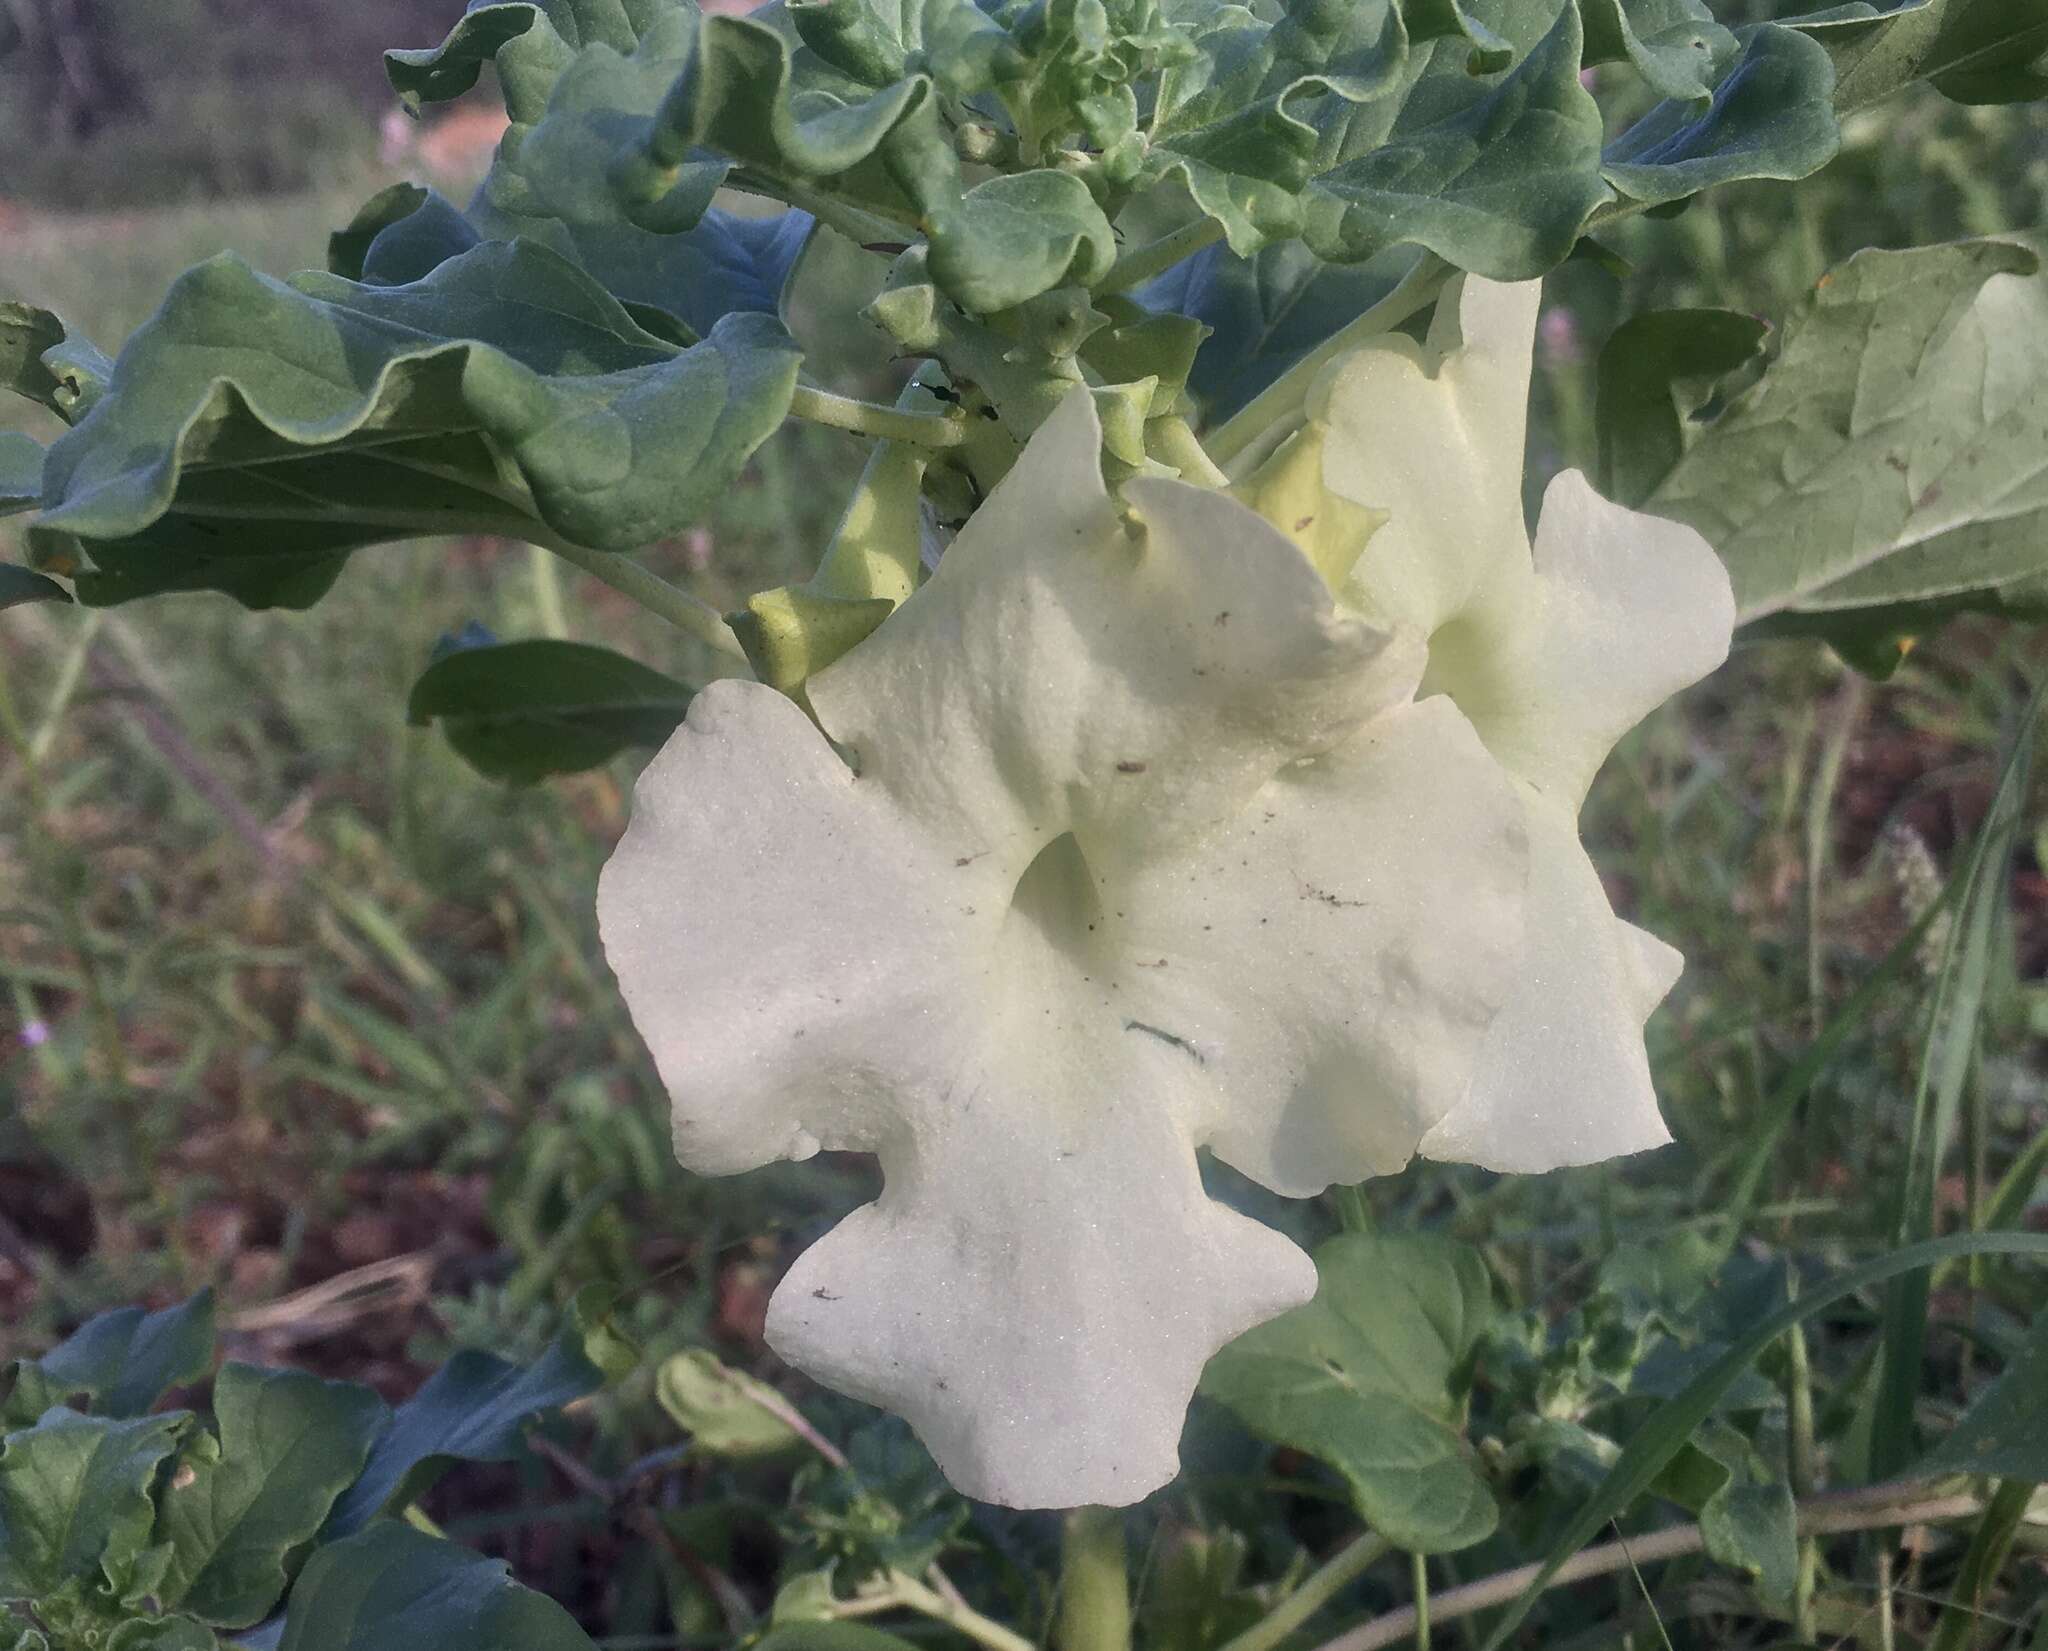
<point x="1116" y="840"/>
<point x="1553" y="651"/>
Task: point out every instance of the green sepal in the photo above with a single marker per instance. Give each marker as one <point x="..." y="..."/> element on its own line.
<point x="792" y="632"/>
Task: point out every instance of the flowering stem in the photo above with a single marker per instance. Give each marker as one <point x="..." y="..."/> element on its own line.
<point x="866" y="418"/>
<point x="900" y="1588"/>
<point x="1278" y="404"/>
<point x="653" y="593"/>
<point x="1156" y="257"/>
<point x="1095" y="1592"/>
<point x="1321" y="1586"/>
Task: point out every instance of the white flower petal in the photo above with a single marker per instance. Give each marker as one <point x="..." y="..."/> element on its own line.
<point x="1328" y="963"/>
<point x="1063" y="673"/>
<point x="785" y="936"/>
<point x="1433" y="435"/>
<point x="1624" y="610"/>
<point x="1044" y="1278"/>
<point x="1563" y="1078"/>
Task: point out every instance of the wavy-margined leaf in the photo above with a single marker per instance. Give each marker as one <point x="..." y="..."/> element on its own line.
<point x="520" y="711"/>
<point x="289" y="1444"/>
<point x="1487" y="50"/>
<point x="120" y="1361"/>
<point x="1494" y="173"/>
<point x="40" y="358"/>
<point x="530" y="41"/>
<point x="393" y="1588"/>
<point x="879" y="42"/>
<point x="1675" y="45"/>
<point x="1363" y="1377"/>
<point x="75" y="1501"/>
<point x="1262" y="110"/>
<point x="1772" y="117"/>
<point x="1975" y="51"/>
<point x="475" y="1408"/>
<point x="256" y="431"/>
<point x="1892" y="464"/>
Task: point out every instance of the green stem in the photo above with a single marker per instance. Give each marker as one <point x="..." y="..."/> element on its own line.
<point x="1095" y="1590"/>
<point x="1281" y="401"/>
<point x="653" y="593"/>
<point x="1140" y="264"/>
<point x="861" y="225"/>
<point x="547" y="592"/>
<point x="1321" y="1586"/>
<point x="867" y="418"/>
<point x="1420" y="1566"/>
<point x="1989" y="1549"/>
<point x="955" y="1612"/>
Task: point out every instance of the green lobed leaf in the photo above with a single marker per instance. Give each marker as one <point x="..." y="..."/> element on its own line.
<point x="1453" y="20"/>
<point x="721" y="1408"/>
<point x="256" y="432"/>
<point x="1675" y="45"/>
<point x="1772" y="117"/>
<point x="1671" y="1426"/>
<point x="2004" y="1434"/>
<point x="879" y="42"/>
<point x="1010" y="238"/>
<point x="123" y="1361"/>
<point x="1892" y="464"/>
<point x="75" y="1501"/>
<point x="475" y="1408"/>
<point x="520" y="711"/>
<point x="1654" y="373"/>
<point x="1494" y="173"/>
<point x="393" y="1588"/>
<point x="1363" y="1377"/>
<point x="288" y="1445"/>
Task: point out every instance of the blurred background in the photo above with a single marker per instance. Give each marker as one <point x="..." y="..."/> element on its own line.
<point x="293" y="1003"/>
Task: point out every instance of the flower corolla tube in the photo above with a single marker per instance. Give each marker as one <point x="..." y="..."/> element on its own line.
<point x="1135" y="830"/>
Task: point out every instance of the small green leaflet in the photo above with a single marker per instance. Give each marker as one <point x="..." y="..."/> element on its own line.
<point x="393" y="1588"/>
<point x="1364" y="1377"/>
<point x="722" y="1409"/>
<point x="256" y="432"/>
<point x="1891" y="467"/>
<point x="520" y="711"/>
<point x="289" y="1444"/>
